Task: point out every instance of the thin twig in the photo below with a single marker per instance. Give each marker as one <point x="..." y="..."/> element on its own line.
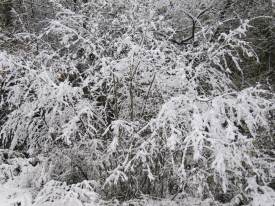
<point x="147" y="95"/>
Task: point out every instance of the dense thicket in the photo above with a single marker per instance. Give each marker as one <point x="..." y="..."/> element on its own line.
<point x="121" y="99"/>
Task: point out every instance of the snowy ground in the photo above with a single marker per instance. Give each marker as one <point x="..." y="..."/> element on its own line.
<point x="24" y="189"/>
<point x="10" y="196"/>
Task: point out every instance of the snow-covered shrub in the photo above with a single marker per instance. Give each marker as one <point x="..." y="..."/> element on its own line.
<point x="58" y="194"/>
<point x="118" y="94"/>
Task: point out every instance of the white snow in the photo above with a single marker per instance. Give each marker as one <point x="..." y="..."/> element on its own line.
<point x="9" y="196"/>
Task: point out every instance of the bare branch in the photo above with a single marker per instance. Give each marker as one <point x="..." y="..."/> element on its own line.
<point x="194" y="21"/>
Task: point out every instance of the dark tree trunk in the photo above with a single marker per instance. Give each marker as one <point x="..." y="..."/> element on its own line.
<point x="5" y="13"/>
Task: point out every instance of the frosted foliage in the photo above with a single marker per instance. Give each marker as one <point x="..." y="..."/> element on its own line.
<point x="209" y="128"/>
<point x="119" y="93"/>
<point x="57" y="193"/>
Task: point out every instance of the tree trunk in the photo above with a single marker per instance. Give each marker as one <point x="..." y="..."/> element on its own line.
<point x="5" y="13"/>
